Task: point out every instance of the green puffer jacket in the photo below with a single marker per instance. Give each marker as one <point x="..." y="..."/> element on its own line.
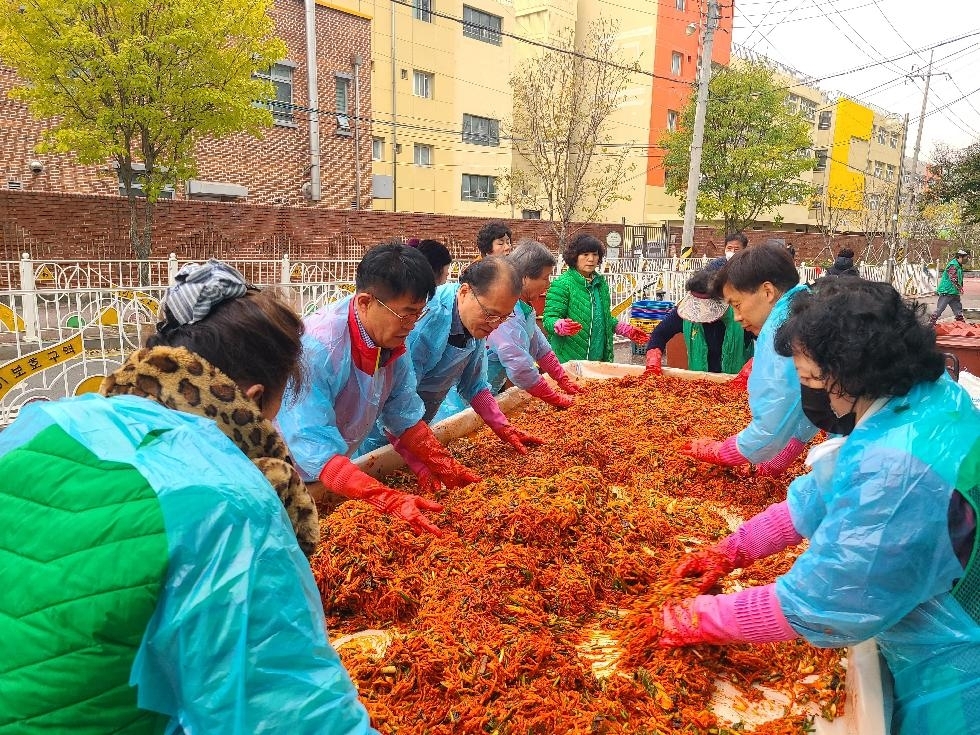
<point x="585" y="302"/>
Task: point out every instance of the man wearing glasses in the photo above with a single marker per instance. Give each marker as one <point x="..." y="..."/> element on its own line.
<point x="356" y="374"/>
<point x="448" y="348"/>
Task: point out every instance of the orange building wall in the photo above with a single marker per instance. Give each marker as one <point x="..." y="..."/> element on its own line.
<point x="668" y="94"/>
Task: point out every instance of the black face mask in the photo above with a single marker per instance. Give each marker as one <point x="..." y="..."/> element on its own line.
<point x="817" y="408"/>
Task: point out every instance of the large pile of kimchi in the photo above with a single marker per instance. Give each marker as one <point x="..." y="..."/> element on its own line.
<point x="537" y="610"/>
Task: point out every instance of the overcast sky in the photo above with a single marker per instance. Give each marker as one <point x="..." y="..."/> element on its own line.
<point x="823" y="37"/>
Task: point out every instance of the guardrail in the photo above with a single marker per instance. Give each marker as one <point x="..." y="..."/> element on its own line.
<point x="66" y="324"/>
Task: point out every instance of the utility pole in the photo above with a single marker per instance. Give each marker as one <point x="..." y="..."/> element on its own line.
<point x="922" y="119"/>
<point x="697" y="136"/>
<point x="890" y="264"/>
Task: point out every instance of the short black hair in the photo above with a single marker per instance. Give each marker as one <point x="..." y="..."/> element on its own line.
<point x="490" y="232"/>
<point x="581" y="244"/>
<point x="530" y="257"/>
<point x="740" y="236"/>
<point x="700" y="282"/>
<point x="482" y="274"/>
<point x="392" y="270"/>
<point x="436" y="253"/>
<point x="750" y="268"/>
<point x="867" y="341"/>
<point x="845" y="253"/>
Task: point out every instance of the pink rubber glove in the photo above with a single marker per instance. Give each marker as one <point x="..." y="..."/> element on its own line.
<point x="781" y="462"/>
<point x="655" y="359"/>
<point x="549" y="363"/>
<point x="764" y="534"/>
<point x="741" y="380"/>
<point x="637" y="336"/>
<point x="344" y="478"/>
<point x="486" y="407"/>
<point x="724" y="453"/>
<point x="567" y="327"/>
<point x="749" y="616"/>
<point x="543" y="390"/>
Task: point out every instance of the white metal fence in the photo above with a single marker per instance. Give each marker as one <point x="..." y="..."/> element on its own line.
<point x="65" y="324"/>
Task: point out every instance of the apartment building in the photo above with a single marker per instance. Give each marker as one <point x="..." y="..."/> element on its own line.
<point x="278" y="168"/>
<point x="440" y="90"/>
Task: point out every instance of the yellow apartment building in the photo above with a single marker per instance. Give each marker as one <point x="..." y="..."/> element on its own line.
<point x="439" y="90"/>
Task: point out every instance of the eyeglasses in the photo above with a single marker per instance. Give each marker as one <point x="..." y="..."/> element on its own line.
<point x="402" y="317"/>
<point x="491" y="318"/>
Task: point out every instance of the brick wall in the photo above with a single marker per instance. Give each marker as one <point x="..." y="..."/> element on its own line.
<point x="52" y="226"/>
<point x="273" y="167"/>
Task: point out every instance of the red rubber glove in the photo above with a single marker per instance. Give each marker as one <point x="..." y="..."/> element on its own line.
<point x="655" y="359"/>
<point x="543" y="390"/>
<point x="518" y="439"/>
<point x="421" y="442"/>
<point x="724" y="453"/>
<point x="781" y="462"/>
<point x="344" y="478"/>
<point x="741" y="380"/>
<point x="549" y="363"/>
<point x="637" y="336"/>
<point x="567" y="327"/>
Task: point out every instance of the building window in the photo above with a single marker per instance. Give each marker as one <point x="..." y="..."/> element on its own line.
<point x="881" y="136"/>
<point x="166" y="193"/>
<point x="530" y="214"/>
<point x="824" y="122"/>
<point x="676" y="59"/>
<point x="808" y="109"/>
<point x="378" y="149"/>
<point x="479" y="188"/>
<point x="680" y="4"/>
<point x="889" y="173"/>
<point x="893" y="140"/>
<point x="879" y="169"/>
<point x="821" y="159"/>
<point x="792" y="103"/>
<point x="422" y="84"/>
<point x="423" y="155"/>
<point x="422" y="10"/>
<point x="481" y="26"/>
<point x="281" y="105"/>
<point x="672" y="120"/>
<point x="343" y="104"/>
<point x="481" y="130"/>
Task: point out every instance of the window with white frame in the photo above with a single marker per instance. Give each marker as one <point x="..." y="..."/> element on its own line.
<point x="893" y="140"/>
<point x="481" y="130"/>
<point x="879" y="169"/>
<point x="808" y="109"/>
<point x="378" y="149"/>
<point x="281" y="104"/>
<point x="422" y="84"/>
<point x="792" y="103"/>
<point x="423" y="155"/>
<point x="889" y="173"/>
<point x="676" y="62"/>
<point x="343" y="84"/>
<point x="680" y="4"/>
<point x="823" y="122"/>
<point x="671" y="120"/>
<point x="820" y="156"/>
<point x="482" y="26"/>
<point x="881" y="136"/>
<point x="478" y="188"/>
<point x="422" y="10"/>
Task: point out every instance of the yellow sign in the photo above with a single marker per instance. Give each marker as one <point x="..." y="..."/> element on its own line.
<point x="91" y="384"/>
<point x="687" y="252"/>
<point x="44" y="274"/>
<point x="150" y="303"/>
<point x="13" y="372"/>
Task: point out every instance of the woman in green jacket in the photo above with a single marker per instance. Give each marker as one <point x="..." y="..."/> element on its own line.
<point x="577" y="317"/>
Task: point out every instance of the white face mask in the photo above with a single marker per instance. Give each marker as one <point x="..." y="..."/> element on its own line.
<point x="729" y="254"/>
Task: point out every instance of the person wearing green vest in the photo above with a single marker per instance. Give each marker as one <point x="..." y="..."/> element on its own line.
<point x="153" y="582"/>
<point x="577" y="317"/>
<point x="715" y="342"/>
<point x="951" y="288"/>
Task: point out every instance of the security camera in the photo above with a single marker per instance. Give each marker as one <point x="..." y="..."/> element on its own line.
<point x="36" y="166"/>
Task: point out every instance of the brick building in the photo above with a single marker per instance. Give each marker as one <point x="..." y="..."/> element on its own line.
<point x="273" y="169"/>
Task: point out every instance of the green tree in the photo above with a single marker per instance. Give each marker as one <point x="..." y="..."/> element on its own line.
<point x="140" y="82"/>
<point x="561" y="130"/>
<point x="754" y="153"/>
<point x="956" y="180"/>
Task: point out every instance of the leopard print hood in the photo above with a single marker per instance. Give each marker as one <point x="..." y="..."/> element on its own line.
<point x="183" y="381"/>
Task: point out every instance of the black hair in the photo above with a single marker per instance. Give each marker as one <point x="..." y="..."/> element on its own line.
<point x="791" y="249"/>
<point x="750" y="268"/>
<point x="740" y="236"/>
<point x="490" y="232"/>
<point x="700" y="282"/>
<point x="581" y="244"/>
<point x="253" y="339"/>
<point x="482" y="274"/>
<point x="845" y="253"/>
<point x="392" y="270"/>
<point x="865" y="339"/>
<point x="530" y="257"/>
<point x="436" y="253"/>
